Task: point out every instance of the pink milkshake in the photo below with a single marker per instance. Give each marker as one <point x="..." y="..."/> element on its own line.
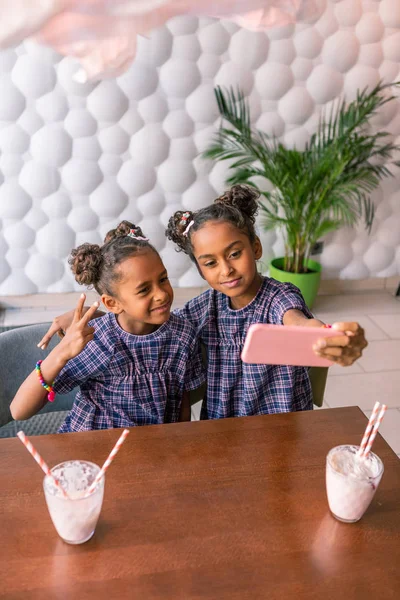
<point x="75" y="518"/>
<point x="351" y="482"/>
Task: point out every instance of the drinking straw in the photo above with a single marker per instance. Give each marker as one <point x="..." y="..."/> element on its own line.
<point x="109" y="460"/>
<point x="32" y="450"/>
<point x="374" y="431"/>
<point x="368" y="429"/>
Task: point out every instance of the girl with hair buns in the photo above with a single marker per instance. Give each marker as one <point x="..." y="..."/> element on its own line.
<point x="136" y="364"/>
<point x="221" y="240"/>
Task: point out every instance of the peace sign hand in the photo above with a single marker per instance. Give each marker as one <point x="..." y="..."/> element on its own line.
<point x="79" y="333"/>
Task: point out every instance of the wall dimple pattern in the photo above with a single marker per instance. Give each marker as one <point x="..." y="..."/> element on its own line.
<point x="77" y="158"/>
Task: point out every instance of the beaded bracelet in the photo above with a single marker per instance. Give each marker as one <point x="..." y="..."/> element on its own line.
<point x="50" y="392"/>
<point x="326" y="326"/>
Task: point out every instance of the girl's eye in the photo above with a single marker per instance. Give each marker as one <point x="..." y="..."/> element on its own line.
<point x="209" y="264"/>
<point x="164" y="279"/>
<point x="236" y="254"/>
<point x="143" y="291"/>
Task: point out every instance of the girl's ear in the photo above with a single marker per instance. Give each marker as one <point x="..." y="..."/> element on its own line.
<point x="258" y="249"/>
<point x="112" y="304"/>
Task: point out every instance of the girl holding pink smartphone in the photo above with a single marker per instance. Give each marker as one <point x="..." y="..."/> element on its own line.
<point x="221" y="240"/>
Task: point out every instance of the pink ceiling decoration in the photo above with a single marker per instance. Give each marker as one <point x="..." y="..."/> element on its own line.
<point x="102" y="34"/>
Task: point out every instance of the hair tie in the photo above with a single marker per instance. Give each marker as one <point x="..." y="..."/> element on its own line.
<point x="184" y="218"/>
<point x="185" y="233"/>
<point x="132" y="234"/>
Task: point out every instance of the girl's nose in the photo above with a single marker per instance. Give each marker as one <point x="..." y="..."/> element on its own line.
<point x="161" y="296"/>
<point x="226" y="269"/>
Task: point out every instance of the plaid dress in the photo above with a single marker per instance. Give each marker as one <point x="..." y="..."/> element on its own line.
<point x="128" y="379"/>
<point x="234" y="388"/>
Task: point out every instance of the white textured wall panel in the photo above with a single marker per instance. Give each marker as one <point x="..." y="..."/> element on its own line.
<point x="77" y="158"/>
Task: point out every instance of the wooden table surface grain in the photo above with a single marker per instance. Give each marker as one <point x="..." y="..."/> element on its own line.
<point x="231" y="509"/>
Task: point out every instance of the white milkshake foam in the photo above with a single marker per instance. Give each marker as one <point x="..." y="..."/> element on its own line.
<point x="349" y="463"/>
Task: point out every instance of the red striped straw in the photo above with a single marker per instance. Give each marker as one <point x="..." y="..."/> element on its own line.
<point x="368" y="429"/>
<point x="32" y="450"/>
<point x="108" y="461"/>
<point x="374" y="431"/>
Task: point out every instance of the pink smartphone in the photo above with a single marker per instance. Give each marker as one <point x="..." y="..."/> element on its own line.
<point x="285" y="345"/>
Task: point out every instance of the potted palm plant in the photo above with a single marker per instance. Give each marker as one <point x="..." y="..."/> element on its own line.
<point x="315" y="191"/>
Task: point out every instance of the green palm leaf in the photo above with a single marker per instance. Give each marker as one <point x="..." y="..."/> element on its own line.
<point x="326" y="186"/>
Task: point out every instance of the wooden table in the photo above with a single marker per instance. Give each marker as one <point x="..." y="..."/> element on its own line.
<point x="232" y="509"/>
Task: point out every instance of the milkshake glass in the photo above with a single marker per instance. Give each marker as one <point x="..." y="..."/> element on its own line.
<point x="351" y="482"/>
<point x="75" y="518"/>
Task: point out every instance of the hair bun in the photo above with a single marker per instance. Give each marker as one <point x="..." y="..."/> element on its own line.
<point x="177" y="226"/>
<point x="86" y="263"/>
<point x="122" y="230"/>
<point x="242" y="197"/>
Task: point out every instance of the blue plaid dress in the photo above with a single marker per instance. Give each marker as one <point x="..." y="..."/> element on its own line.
<point x="234" y="388"/>
<point x="127" y="379"/>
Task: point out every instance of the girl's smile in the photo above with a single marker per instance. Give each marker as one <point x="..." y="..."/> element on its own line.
<point x="232" y="283"/>
<point x="162" y="309"/>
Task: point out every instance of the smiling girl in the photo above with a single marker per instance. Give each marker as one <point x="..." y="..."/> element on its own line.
<point x="221" y="240"/>
<point x="136" y="364"/>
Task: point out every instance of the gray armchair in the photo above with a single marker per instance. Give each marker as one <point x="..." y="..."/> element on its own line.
<point x="18" y="356"/>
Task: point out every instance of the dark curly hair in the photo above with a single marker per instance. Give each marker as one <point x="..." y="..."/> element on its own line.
<point x="238" y="206"/>
<point x="95" y="266"/>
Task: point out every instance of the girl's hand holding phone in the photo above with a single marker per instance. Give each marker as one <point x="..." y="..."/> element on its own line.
<point x="308" y="345"/>
<point x="345" y="348"/>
